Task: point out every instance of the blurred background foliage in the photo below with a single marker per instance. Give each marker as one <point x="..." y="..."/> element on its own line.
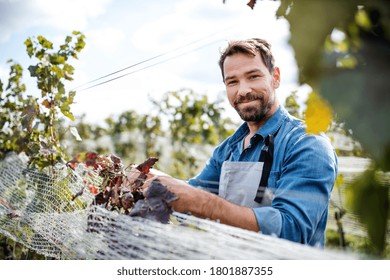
<point x="342" y="49"/>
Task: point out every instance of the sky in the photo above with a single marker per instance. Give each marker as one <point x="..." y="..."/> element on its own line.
<point x="186" y="36"/>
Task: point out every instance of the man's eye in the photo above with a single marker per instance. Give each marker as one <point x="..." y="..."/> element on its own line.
<point x="253" y="77"/>
<point x="231" y="83"/>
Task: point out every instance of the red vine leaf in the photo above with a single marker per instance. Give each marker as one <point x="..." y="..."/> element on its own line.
<point x="147" y="164"/>
<point x="118" y="192"/>
<point x="252" y="4"/>
<point x="10" y="207"/>
<point x="47" y="104"/>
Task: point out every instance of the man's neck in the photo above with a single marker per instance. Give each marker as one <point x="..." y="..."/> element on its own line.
<point x="253" y="128"/>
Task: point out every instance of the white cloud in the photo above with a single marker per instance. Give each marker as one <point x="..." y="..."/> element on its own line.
<point x="107" y="38"/>
<point x="191" y="20"/>
<point x="69" y="14"/>
<point x="19" y="15"/>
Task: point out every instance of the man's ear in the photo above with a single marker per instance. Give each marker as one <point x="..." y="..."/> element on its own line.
<point x="276" y="77"/>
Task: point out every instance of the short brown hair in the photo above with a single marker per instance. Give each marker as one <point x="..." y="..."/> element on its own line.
<point x="249" y="47"/>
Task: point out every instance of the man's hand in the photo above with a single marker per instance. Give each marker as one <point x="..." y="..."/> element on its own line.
<point x="186" y="194"/>
<point x="204" y="204"/>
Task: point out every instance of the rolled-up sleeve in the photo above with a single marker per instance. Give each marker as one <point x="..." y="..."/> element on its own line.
<point x="299" y="208"/>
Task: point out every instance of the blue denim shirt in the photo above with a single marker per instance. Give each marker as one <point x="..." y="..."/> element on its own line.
<point x="302" y="176"/>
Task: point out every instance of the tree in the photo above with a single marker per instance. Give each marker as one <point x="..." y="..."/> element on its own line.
<point x="195" y="124"/>
<point x="37" y="135"/>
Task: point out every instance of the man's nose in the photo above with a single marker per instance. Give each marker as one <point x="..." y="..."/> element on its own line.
<point x="244" y="89"/>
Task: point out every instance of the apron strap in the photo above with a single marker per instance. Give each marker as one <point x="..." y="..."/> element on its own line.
<point x="266" y="156"/>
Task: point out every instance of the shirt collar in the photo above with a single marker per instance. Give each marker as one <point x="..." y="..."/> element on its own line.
<point x="274" y="123"/>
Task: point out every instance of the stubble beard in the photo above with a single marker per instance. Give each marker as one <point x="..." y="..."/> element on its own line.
<point x="255" y="113"/>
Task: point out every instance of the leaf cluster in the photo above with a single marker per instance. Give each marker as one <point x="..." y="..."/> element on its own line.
<point x="27" y="122"/>
<point x="194" y="118"/>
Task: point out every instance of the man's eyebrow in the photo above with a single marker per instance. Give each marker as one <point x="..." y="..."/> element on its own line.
<point x="229" y="78"/>
<point x="253" y="71"/>
<point x="246" y="74"/>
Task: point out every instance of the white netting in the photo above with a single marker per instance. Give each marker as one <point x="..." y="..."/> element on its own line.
<point x="37" y="210"/>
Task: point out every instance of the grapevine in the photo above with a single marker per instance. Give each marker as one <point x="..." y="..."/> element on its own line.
<point x="121" y="191"/>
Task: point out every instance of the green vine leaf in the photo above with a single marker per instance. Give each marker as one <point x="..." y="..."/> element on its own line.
<point x="29" y="47"/>
<point x="368" y="197"/>
<point x="66" y="111"/>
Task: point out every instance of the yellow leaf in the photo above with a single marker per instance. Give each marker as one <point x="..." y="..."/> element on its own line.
<point x="347" y="62"/>
<point x="318" y="114"/>
<point x="363" y="19"/>
<point x="339" y="181"/>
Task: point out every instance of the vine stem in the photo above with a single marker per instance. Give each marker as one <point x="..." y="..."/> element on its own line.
<point x="52" y="133"/>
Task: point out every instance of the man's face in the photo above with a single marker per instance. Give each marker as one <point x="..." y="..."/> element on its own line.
<point x="250" y="87"/>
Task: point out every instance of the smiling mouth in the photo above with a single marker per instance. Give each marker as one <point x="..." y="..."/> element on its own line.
<point x="247" y="101"/>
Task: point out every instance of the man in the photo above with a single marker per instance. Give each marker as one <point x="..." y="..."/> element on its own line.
<point x="271" y="175"/>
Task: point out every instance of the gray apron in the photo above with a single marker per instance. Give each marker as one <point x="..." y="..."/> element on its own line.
<point x="245" y="183"/>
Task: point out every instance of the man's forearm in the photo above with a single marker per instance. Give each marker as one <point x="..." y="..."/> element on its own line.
<point x="210" y="206"/>
<point x="217" y="208"/>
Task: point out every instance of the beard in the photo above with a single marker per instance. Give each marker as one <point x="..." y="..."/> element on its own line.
<point x="253" y="113"/>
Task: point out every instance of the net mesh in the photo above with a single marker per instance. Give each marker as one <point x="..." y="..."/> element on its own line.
<point x="40" y="211"/>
